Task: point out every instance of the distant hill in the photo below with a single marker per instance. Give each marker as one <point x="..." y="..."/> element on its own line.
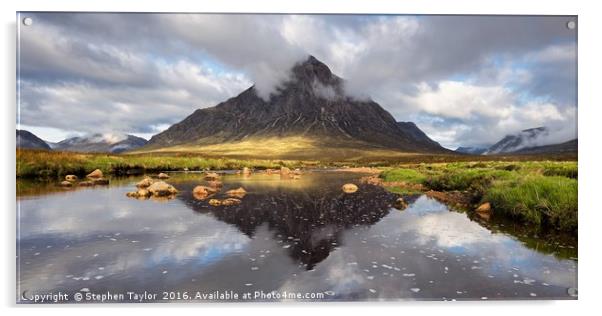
<point x="523" y="139"/>
<point x="310" y="112"/>
<point x="566" y="147"/>
<point x="99" y="143"/>
<point x="26" y="139"/>
<point x="471" y="150"/>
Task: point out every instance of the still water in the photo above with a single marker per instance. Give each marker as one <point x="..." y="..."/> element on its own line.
<point x="300" y="237"/>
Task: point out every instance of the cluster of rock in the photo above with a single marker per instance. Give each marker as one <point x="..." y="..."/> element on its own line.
<point x="149" y="187"/>
<point x="214" y="185"/>
<point x="290" y="174"/>
<point x="93" y="178"/>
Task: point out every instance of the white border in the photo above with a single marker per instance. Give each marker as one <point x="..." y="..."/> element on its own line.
<point x="589" y="146"/>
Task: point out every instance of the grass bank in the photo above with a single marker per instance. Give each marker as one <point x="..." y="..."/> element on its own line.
<point x="542" y="193"/>
<point x="40" y="163"/>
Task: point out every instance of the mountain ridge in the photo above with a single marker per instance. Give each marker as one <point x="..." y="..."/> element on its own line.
<point x="311" y="104"/>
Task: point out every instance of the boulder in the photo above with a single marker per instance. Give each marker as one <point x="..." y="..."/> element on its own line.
<point x="162" y="176"/>
<point x="161" y="188"/>
<point x="484" y="208"/>
<point x="216" y="184"/>
<point x="201" y="192"/>
<point x="71" y="178"/>
<point x="372" y="180"/>
<point x="297" y="172"/>
<point x="239" y="193"/>
<point x="400" y="204"/>
<point x="86" y="184"/>
<point x="143" y="193"/>
<point x="211" y="176"/>
<point x="215" y="202"/>
<point x="231" y="201"/>
<point x="349" y="188"/>
<point x="285" y="171"/>
<point x="100" y="181"/>
<point x="145" y="183"/>
<point x="95" y="174"/>
<point x="66" y="184"/>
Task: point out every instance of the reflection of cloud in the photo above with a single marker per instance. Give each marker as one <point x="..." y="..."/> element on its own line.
<point x="110" y="237"/>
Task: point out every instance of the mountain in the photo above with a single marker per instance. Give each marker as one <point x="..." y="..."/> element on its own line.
<point x="100" y="143"/>
<point x="530" y="141"/>
<point x="26" y="139"/>
<point x="308" y="110"/>
<point x="471" y="150"/>
<point x="523" y="139"/>
<point x="566" y="147"/>
<point x="416" y="134"/>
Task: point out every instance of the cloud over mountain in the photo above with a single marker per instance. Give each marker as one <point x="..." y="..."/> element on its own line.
<point x="456" y="76"/>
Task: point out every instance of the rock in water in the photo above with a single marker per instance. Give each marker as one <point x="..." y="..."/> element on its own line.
<point x="86" y="184"/>
<point x="211" y="176"/>
<point x="95" y="174"/>
<point x="349" y="188"/>
<point x="71" y="178"/>
<point x="400" y="204"/>
<point x="217" y="185"/>
<point x="66" y="184"/>
<point x="145" y="183"/>
<point x="284" y="171"/>
<point x="484" y="208"/>
<point x="161" y="188"/>
<point x="231" y="201"/>
<point x="484" y="211"/>
<point x="162" y="176"/>
<point x="100" y="181"/>
<point x="372" y="180"/>
<point x="238" y="193"/>
<point x="215" y="202"/>
<point x="201" y="192"/>
<point x="246" y="171"/>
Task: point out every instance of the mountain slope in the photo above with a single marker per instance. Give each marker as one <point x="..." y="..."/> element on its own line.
<point x="523" y="139"/>
<point x="566" y="147"/>
<point x="471" y="150"/>
<point x="311" y="106"/>
<point x="99" y="143"/>
<point x="26" y="139"/>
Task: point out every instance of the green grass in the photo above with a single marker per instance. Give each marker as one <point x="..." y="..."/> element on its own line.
<point x="541" y="200"/>
<point x="38" y="163"/>
<point x="403" y="174"/>
<point x="543" y="193"/>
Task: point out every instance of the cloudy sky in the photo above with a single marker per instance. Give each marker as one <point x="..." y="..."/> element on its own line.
<point x="464" y="80"/>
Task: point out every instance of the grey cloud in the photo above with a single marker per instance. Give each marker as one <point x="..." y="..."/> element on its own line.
<point x="159" y="65"/>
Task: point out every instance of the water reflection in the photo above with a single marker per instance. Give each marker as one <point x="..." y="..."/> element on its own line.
<point x="295" y="235"/>
<point x="308" y="220"/>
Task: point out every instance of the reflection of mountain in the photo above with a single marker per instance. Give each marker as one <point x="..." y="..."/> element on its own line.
<point x="310" y="221"/>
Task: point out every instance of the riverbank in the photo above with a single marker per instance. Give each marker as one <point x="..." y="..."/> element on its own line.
<point x="41" y="163"/>
<point x="543" y="193"/>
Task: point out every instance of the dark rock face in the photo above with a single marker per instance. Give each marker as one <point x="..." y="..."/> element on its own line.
<point x="311" y="103"/>
<point x="26" y="139"/>
<point x="96" y="143"/>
